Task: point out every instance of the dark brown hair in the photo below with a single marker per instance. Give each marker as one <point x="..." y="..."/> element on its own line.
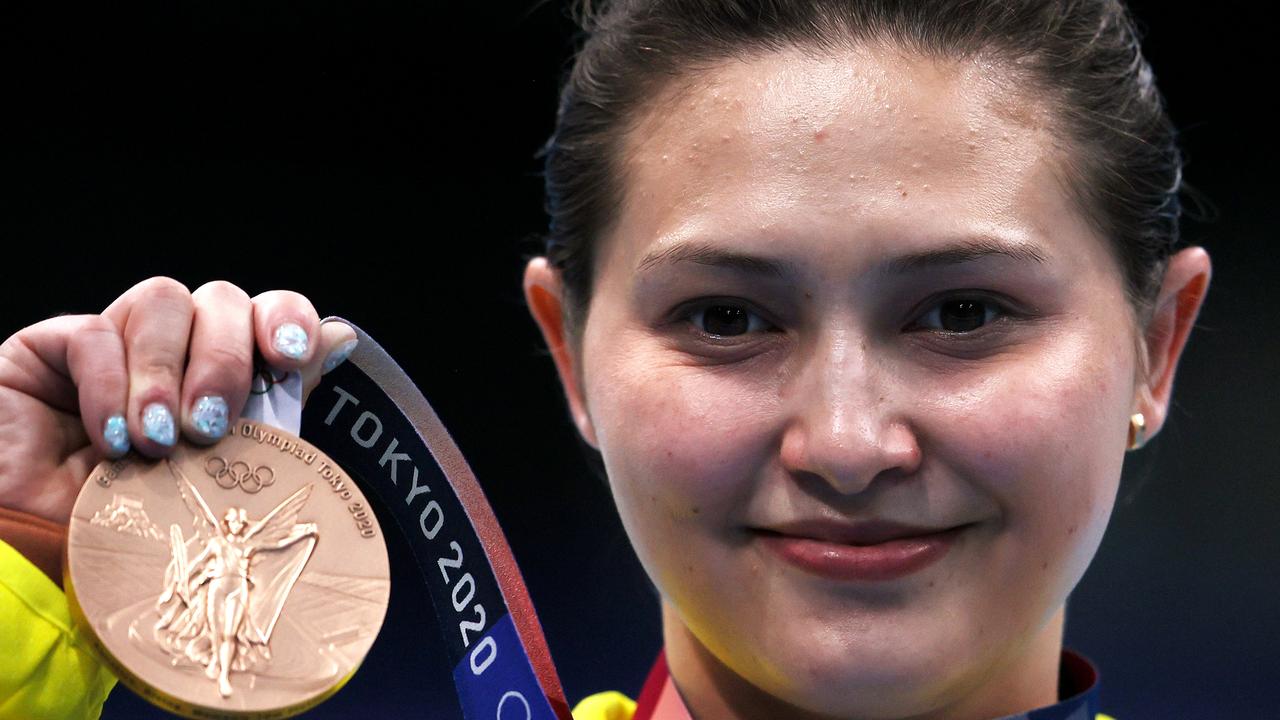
<point x="1083" y="56"/>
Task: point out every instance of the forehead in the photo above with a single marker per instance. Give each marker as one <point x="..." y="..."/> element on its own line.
<point x="868" y="141"/>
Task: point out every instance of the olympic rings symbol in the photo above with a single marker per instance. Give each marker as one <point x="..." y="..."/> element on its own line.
<point x="228" y="475"/>
<point x="263" y="379"/>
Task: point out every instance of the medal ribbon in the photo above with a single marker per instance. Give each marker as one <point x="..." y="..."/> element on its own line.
<point x="370" y="417"/>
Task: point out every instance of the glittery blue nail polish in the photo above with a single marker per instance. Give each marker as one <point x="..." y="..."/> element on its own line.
<point x="338" y="356"/>
<point x="209" y="415"/>
<point x="291" y="340"/>
<point x="157" y="424"/>
<point x="116" y="432"/>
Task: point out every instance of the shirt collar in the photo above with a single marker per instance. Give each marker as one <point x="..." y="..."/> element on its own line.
<point x="1078" y="683"/>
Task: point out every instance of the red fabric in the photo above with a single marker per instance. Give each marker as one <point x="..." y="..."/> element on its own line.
<point x="39" y="540"/>
<point x="647" y="702"/>
<point x="1076" y="675"/>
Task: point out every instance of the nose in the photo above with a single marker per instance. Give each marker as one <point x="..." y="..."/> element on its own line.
<point x="845" y="419"/>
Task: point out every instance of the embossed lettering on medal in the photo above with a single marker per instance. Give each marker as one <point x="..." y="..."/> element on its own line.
<point x="229" y="581"/>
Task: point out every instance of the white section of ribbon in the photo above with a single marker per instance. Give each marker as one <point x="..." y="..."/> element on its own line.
<point x="280" y="406"/>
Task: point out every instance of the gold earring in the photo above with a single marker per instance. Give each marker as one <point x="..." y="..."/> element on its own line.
<point x="1137" y="431"/>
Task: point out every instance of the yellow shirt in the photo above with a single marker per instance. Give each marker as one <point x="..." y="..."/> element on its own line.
<point x="46" y="669"/>
<point x="605" y="706"/>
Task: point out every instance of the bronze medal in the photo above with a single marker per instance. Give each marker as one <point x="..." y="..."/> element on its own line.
<point x="245" y="579"/>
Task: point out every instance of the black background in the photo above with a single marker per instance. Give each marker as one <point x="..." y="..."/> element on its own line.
<point x="379" y="158"/>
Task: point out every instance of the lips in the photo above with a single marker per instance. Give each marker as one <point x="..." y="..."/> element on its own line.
<point x="874" y="550"/>
<point x="866" y="532"/>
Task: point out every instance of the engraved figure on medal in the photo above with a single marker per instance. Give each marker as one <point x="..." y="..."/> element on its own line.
<point x="219" y="608"/>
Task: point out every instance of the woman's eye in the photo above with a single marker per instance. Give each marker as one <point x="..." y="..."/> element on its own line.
<point x="726" y="320"/>
<point x="961" y="315"/>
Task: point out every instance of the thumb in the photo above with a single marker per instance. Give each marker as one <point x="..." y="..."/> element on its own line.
<point x="336" y="343"/>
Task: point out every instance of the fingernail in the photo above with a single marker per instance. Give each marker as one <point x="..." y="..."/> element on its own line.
<point x="291" y="340"/>
<point x="116" y="432"/>
<point x="339" y="355"/>
<point x="157" y="424"/>
<point x="209" y="415"/>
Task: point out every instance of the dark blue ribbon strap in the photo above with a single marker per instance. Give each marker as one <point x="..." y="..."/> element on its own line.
<point x="370" y="417"/>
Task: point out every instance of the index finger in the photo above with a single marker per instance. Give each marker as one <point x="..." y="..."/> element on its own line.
<point x="286" y="327"/>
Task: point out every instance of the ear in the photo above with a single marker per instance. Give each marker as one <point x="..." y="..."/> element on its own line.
<point x="1181" y="294"/>
<point x="544" y="294"/>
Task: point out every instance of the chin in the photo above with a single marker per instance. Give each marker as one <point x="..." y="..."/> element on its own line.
<point x="855" y="671"/>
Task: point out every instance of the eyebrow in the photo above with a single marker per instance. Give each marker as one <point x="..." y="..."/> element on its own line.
<point x="956" y="253"/>
<point x="964" y="251"/>
<point x="705" y="253"/>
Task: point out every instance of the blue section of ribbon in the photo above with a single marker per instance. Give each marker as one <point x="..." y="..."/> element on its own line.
<point x="495" y="680"/>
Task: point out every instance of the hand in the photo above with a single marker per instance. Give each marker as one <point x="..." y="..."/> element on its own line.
<point x="158" y="353"/>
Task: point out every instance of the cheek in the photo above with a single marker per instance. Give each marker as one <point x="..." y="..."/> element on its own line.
<point x="690" y="440"/>
<point x="1045" y="441"/>
<point x="684" y="448"/>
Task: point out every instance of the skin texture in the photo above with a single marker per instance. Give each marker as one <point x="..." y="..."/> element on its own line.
<point x="876" y="185"/>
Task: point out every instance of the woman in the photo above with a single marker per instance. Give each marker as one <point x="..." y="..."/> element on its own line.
<point x="862" y="304"/>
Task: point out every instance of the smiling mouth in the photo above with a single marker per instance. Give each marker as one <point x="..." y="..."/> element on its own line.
<point x="874" y="551"/>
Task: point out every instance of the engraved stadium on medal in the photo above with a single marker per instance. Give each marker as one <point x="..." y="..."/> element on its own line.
<point x="245" y="579"/>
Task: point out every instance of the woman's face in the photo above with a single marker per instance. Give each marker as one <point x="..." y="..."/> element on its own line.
<point x="844" y="290"/>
